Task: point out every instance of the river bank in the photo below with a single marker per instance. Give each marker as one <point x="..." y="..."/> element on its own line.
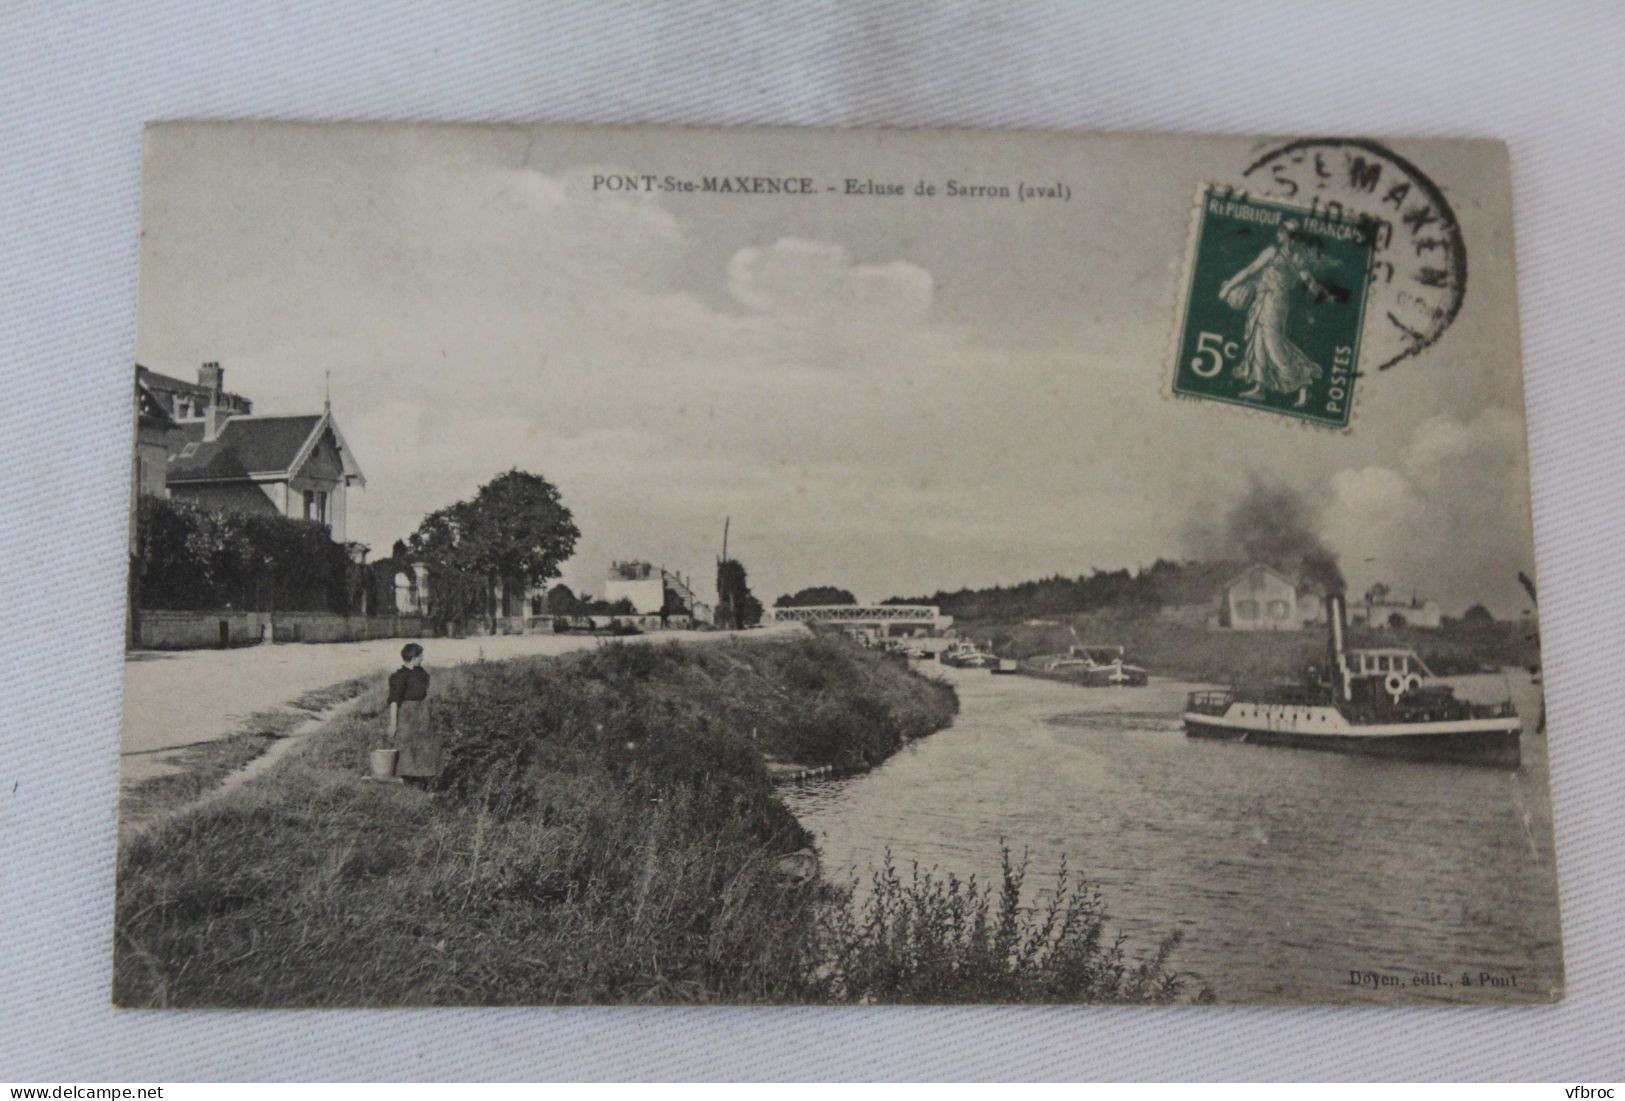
<point x="606" y="830"/>
<point x="1194" y="653"/>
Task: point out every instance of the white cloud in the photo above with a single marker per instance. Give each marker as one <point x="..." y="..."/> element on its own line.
<point x="816" y="279"/>
<point x="1449" y="520"/>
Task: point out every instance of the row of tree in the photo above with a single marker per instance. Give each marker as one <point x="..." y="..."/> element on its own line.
<point x="1163" y="582"/>
<point x="512" y="536"/>
<point x="190" y="556"/>
<point x="515" y="534"/>
<point x="814" y="597"/>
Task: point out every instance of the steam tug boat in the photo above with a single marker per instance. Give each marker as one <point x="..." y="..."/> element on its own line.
<point x="1375" y="702"/>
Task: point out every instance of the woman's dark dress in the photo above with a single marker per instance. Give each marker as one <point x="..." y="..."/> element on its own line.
<point x="415" y="738"/>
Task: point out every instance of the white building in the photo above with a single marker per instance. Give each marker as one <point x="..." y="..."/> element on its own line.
<point x="1260" y="599"/>
<point x="1382" y="614"/>
<point x="639" y="583"/>
<point x="645" y="587"/>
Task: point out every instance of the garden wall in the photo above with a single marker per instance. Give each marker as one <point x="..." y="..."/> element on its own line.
<point x="164" y="629"/>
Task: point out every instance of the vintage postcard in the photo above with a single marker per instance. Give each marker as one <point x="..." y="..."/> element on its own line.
<point x="624" y="565"/>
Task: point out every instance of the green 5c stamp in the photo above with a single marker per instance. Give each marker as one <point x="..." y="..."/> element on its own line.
<point x="1274" y="304"/>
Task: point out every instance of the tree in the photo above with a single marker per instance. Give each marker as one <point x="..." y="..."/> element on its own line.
<point x="1397" y="620"/>
<point x="736" y="607"/>
<point x="515" y="531"/>
<point x="562" y="601"/>
<point x="815" y="596"/>
<point x="1377" y="594"/>
<point x="456" y="590"/>
<point x="1477" y="615"/>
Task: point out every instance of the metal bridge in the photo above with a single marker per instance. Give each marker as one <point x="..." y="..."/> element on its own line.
<point x="880" y="616"/>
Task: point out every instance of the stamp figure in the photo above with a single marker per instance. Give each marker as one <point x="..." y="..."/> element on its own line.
<point x="1263" y="289"/>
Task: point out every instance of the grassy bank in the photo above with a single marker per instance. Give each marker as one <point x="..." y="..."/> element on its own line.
<point x="605" y="831"/>
<point x="1224" y="657"/>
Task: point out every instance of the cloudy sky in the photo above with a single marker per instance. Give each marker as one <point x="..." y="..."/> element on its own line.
<point x="892" y="394"/>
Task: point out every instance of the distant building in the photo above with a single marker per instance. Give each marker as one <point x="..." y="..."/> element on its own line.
<point x="220" y="455"/>
<point x="682" y="590"/>
<point x="1264" y="599"/>
<point x="1381" y="614"/>
<point x="636" y="582"/>
<point x="645" y="586"/>
<point x="150" y="461"/>
<point x="190" y="401"/>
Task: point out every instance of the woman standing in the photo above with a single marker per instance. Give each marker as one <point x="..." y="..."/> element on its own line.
<point x="416" y="742"/>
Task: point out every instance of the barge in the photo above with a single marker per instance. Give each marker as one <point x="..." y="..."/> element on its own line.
<point x="1377" y="702"/>
<point x="1094" y="666"/>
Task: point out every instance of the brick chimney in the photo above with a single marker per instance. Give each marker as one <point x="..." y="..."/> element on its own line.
<point x="211" y="377"/>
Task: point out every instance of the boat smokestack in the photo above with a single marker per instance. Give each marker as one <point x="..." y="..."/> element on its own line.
<point x="1338" y="625"/>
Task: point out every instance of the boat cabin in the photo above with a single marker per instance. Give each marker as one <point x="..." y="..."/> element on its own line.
<point x="1379" y="663"/>
<point x="1090" y="656"/>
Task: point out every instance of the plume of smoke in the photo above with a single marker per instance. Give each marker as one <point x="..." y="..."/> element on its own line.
<point x="1273" y="524"/>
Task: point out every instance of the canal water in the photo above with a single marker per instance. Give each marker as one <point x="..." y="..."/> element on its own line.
<point x="1285" y="869"/>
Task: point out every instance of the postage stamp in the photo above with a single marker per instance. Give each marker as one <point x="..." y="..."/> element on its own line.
<point x="1274" y="307"/>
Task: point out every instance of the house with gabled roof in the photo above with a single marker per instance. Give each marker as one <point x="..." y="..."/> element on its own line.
<point x="153" y="424"/>
<point x="298" y="466"/>
<point x="191" y="401"/>
<point x="1261" y="598"/>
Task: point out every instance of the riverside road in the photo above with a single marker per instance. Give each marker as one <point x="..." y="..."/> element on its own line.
<point x="175" y="698"/>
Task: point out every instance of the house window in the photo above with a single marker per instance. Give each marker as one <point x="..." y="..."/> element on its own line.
<point x="1278" y="609"/>
<point x="1246" y="609"/>
<point x="316" y="505"/>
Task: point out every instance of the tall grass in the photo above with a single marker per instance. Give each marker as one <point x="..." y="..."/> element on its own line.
<point x="937" y="938"/>
<point x="605" y="831"/>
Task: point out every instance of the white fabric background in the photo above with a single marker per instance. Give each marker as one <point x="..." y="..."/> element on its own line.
<point x="76" y="83"/>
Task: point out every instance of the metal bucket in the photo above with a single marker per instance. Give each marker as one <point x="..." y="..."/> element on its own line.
<point x="383" y="763"/>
